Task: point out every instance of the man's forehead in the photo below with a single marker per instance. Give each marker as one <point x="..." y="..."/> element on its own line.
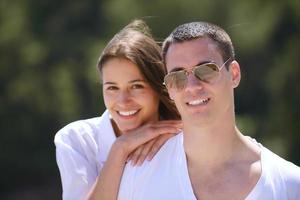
<point x="190" y="53"/>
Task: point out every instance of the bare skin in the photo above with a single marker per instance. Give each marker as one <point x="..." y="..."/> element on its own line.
<point x="107" y="184"/>
<point x="234" y="176"/>
<point x="222" y="163"/>
<point x="133" y="105"/>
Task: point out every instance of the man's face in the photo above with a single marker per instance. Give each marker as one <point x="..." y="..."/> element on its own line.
<point x="200" y="102"/>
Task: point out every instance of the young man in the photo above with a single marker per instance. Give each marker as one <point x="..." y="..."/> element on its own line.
<point x="211" y="159"/>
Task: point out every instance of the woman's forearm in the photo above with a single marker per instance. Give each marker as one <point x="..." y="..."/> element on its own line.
<point x="107" y="184"/>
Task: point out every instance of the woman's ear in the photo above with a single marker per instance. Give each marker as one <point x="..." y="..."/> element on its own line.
<point x="235" y="72"/>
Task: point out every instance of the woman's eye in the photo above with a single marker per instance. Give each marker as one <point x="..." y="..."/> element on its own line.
<point x="137" y="86"/>
<point x="112" y="88"/>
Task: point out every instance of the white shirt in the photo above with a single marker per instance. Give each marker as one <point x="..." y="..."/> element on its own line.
<point x="82" y="148"/>
<point x="166" y="177"/>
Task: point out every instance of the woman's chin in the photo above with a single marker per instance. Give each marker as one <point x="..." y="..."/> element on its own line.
<point x="126" y="129"/>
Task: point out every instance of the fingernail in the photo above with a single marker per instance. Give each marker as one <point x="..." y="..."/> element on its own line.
<point x="149" y="158"/>
<point x="132" y="163"/>
<point x="139" y="163"/>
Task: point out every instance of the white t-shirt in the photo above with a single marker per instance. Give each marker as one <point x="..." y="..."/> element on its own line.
<point x="82" y="148"/>
<point x="166" y="177"/>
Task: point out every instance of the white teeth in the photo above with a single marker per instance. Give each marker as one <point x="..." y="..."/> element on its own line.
<point x="198" y="102"/>
<point x="128" y="113"/>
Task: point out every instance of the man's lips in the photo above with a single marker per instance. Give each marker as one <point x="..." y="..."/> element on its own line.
<point x="197" y="102"/>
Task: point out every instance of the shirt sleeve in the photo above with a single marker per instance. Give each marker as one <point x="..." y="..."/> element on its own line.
<point x="76" y="160"/>
<point x="291" y="176"/>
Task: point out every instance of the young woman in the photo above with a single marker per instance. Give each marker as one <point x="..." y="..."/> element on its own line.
<point x="140" y="117"/>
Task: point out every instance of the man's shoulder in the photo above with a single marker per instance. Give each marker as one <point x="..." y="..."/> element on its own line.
<point x="155" y="179"/>
<point x="281" y="170"/>
<point x="163" y="160"/>
<point x="280" y="163"/>
<point x="167" y="153"/>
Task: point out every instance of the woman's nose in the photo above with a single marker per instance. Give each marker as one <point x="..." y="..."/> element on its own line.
<point x="124" y="96"/>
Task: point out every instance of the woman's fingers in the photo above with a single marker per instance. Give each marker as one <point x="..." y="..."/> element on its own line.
<point x="134" y="156"/>
<point x="159" y="142"/>
<point x="138" y="156"/>
<point x="132" y="140"/>
<point x="149" y="149"/>
<point x="144" y="153"/>
<point x="155" y="130"/>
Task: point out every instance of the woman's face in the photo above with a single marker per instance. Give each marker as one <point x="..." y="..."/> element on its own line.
<point x="127" y="95"/>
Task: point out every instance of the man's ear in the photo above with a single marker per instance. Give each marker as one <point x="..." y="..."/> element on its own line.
<point x="235" y="72"/>
<point x="171" y="96"/>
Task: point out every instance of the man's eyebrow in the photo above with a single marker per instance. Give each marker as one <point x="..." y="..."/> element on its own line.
<point x="204" y="62"/>
<point x="175" y="69"/>
<point x="182" y="68"/>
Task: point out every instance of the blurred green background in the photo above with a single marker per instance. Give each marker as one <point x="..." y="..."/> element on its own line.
<point x="48" y="75"/>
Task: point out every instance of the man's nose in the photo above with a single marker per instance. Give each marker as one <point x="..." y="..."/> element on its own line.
<point x="193" y="82"/>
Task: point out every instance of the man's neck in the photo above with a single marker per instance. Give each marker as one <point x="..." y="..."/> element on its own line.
<point x="210" y="145"/>
<point x="220" y="158"/>
<point x="215" y="145"/>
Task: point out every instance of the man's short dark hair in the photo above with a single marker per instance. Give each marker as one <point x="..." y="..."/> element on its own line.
<point x="195" y="30"/>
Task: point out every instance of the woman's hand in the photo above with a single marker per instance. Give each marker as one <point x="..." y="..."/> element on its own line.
<point x="145" y="141"/>
<point x="149" y="149"/>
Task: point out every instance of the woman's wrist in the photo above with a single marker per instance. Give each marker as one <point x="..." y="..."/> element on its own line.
<point x="119" y="151"/>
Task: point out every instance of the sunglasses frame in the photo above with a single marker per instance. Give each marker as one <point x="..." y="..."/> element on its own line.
<point x="216" y="68"/>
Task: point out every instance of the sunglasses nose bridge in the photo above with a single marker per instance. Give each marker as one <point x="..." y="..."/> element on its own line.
<point x="192" y="80"/>
<point x="185" y="80"/>
<point x="188" y="72"/>
<point x="192" y="71"/>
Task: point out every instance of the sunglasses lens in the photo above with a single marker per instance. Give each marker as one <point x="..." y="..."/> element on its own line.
<point x="176" y="80"/>
<point x="207" y="72"/>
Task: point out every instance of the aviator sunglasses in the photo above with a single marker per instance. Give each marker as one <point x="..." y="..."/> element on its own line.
<point x="207" y="72"/>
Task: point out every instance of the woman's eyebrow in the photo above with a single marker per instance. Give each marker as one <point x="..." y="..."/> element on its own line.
<point x="109" y="83"/>
<point x="137" y="80"/>
<point x="132" y="81"/>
